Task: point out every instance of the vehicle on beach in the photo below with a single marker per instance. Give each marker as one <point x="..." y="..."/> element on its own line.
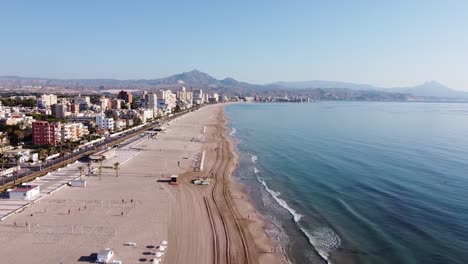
<point x="201" y="181"/>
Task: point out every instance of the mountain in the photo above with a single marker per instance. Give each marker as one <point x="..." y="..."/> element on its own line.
<point x="430" y="89"/>
<point x="194" y="77"/>
<point x="197" y="79"/>
<point x="427" y="89"/>
<point x="324" y="85"/>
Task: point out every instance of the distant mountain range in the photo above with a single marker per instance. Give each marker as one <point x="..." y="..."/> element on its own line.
<point x="198" y="79"/>
<point x="427" y="89"/>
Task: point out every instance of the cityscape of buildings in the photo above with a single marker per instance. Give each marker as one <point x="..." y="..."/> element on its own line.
<point x="34" y="127"/>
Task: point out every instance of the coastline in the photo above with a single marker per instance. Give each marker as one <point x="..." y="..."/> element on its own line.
<point x="269" y="252"/>
<point x="215" y="223"/>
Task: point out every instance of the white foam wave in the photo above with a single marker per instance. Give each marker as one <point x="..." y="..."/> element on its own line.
<point x="254" y="158"/>
<point x="324" y="240"/>
<point x="233" y="131"/>
<point x="256" y="170"/>
<point x="296" y="216"/>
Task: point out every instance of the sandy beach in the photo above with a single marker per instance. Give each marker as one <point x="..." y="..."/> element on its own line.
<point x="213" y="223"/>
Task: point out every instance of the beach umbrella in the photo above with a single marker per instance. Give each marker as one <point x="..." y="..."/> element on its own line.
<point x="164" y="242"/>
<point x="162" y="249"/>
<point x="159" y="254"/>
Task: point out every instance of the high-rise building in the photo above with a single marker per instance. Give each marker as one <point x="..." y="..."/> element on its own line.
<point x="59" y="110"/>
<point x="126" y="96"/>
<point x="47" y="100"/>
<point x="151" y="100"/>
<point x="105" y="103"/>
<point x="185" y="96"/>
<point x="45" y="133"/>
<point x="166" y="99"/>
<point x="198" y="96"/>
<point x="116" y="103"/>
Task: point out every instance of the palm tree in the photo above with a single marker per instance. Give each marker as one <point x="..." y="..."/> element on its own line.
<point x="69" y="145"/>
<point x="81" y="169"/>
<point x="43" y="157"/>
<point x="4" y="160"/>
<point x="2" y="138"/>
<point x="116" y="168"/>
<point x="17" y="158"/>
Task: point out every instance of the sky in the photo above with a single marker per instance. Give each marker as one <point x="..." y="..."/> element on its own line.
<point x="383" y="43"/>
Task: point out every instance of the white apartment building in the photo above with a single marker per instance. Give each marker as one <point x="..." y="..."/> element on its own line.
<point x="120" y="124"/>
<point x="48" y="100"/>
<point x="146" y="114"/>
<point x="82" y="100"/>
<point x="105" y="103"/>
<point x="216" y="97"/>
<point x="166" y="99"/>
<point x="74" y="131"/>
<point x="105" y="123"/>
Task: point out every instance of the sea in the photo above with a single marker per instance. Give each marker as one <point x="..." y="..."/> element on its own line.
<point x="357" y="182"/>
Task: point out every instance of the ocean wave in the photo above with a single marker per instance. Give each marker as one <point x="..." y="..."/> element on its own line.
<point x="296" y="216"/>
<point x="324" y="240"/>
<point x="256" y="170"/>
<point x="233" y="131"/>
<point x="254" y="158"/>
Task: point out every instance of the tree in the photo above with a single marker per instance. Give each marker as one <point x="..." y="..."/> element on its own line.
<point x="17" y="159"/>
<point x="81" y="169"/>
<point x="4" y="160"/>
<point x="137" y="121"/>
<point x="62" y="152"/>
<point x="16" y="133"/>
<point x="177" y="109"/>
<point x="116" y="168"/>
<point x="2" y="139"/>
<point x="43" y="157"/>
<point x="123" y="105"/>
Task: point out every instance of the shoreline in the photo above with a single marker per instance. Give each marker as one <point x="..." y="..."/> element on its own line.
<point x="257" y="223"/>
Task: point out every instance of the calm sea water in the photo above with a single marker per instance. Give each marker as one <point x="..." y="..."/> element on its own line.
<point x="344" y="182"/>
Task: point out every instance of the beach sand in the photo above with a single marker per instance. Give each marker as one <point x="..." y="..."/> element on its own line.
<point x="203" y="224"/>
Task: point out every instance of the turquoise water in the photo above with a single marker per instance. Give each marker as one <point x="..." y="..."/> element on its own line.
<point x="345" y="182"/>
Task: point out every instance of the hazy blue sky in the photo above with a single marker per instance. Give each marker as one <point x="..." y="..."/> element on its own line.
<point x="386" y="43"/>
